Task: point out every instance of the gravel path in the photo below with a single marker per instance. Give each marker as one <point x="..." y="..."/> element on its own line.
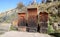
<point x="23" y="34"/>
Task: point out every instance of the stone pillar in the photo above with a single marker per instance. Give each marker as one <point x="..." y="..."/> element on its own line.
<point x="32" y="20"/>
<point x="43" y="22"/>
<point x="22" y="21"/>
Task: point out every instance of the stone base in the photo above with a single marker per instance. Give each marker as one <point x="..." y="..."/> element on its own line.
<point x="32" y="29"/>
<point x="22" y="28"/>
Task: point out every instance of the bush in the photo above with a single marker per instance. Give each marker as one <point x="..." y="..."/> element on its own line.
<point x="50" y="29"/>
<point x="13" y="28"/>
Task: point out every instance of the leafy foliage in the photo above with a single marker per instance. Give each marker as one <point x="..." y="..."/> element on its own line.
<point x="50" y="29"/>
<point x="20" y="5"/>
<point x="13" y="28"/>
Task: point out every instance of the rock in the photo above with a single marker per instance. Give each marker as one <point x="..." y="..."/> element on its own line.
<point x="23" y="34"/>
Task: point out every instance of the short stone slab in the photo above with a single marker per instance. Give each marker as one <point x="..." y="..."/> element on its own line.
<point x="23" y="34"/>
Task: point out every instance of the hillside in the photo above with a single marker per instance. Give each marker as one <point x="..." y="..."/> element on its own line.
<point x="51" y="7"/>
<point x="10" y="15"/>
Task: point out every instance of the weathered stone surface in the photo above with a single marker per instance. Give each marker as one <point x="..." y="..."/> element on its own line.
<point x="23" y="34"/>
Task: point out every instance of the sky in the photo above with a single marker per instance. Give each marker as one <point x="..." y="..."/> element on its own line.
<point x="11" y="4"/>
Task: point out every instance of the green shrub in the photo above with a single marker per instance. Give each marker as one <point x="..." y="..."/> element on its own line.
<point x="50" y="29"/>
<point x="13" y="28"/>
